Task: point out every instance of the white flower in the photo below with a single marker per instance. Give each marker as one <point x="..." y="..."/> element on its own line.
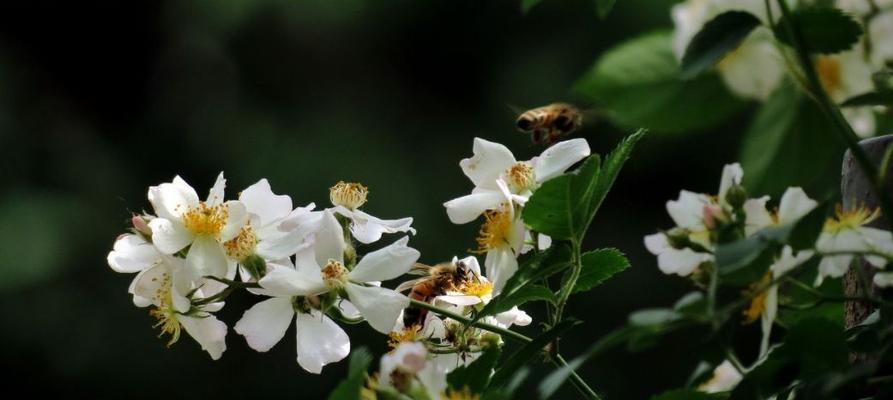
<point x="847" y="233"/>
<point x="769" y="298"/>
<point x="499" y="179"/>
<point x="844" y="75"/>
<point x="756" y="67"/>
<point x="725" y="378"/>
<point x="880" y="32"/>
<point x="347" y="199"/>
<point x="501" y="237"/>
<point x="323" y="270"/>
<point x="883" y="279"/>
<point x="183" y="220"/>
<point x="480" y="291"/>
<point x="164" y="286"/>
<point x="671" y="260"/>
<point x="794" y="205"/>
<point x="408" y="367"/>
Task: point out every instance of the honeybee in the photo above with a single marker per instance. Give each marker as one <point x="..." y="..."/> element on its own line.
<point x="438" y="279"/>
<point x="549" y="123"/>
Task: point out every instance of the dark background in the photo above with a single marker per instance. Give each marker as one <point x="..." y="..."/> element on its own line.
<point x="99" y="101"/>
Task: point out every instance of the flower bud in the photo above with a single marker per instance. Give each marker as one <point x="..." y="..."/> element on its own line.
<point x="678" y="237"/>
<point x="348" y="194"/>
<point x="736" y="196"/>
<point x="255" y="265"/>
<point x="141" y="225"/>
<point x="714" y="216"/>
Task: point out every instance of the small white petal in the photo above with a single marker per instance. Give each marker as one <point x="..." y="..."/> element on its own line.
<point x="657" y="243"/>
<point x="380" y="306"/>
<point x="501" y="264"/>
<point x="320" y="341"/>
<point x="515" y="316"/>
<point x="171" y="200"/>
<point x="731" y="175"/>
<point x="329" y="240"/>
<point x="236" y="218"/>
<point x="208" y="331"/>
<point x="132" y="253"/>
<point x="466" y="208"/>
<point x="767" y="318"/>
<point x="303" y="281"/>
<point x="794" y="205"/>
<point x="215" y="195"/>
<point x="260" y="200"/>
<point x="459" y="299"/>
<point x="883" y="279"/>
<point x="265" y="323"/>
<point x="386" y="263"/>
<point x="688" y="210"/>
<point x="368" y="229"/>
<point x="558" y="158"/>
<point x="681" y="262"/>
<point x="206" y="257"/>
<point x="169" y="236"/>
<point x="488" y="162"/>
<point x="756" y="215"/>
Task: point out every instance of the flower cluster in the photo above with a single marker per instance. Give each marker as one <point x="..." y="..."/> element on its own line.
<point x="757" y="67"/>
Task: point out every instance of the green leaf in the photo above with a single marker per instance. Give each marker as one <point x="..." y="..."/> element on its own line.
<point x="825" y="30"/>
<point x="530" y="350"/>
<point x="599" y="266"/>
<point x="879" y="98"/>
<point x="686" y="394"/>
<point x="604" y="7"/>
<point x="789" y="133"/>
<point x="817" y="345"/>
<point x="638" y="84"/>
<point x="349" y="388"/>
<point x="718" y="37"/>
<point x="524" y="294"/>
<point x="475" y="376"/>
<point x="539" y="267"/>
<point x="653" y="316"/>
<point x="526" y="5"/>
<point x="564" y="206"/>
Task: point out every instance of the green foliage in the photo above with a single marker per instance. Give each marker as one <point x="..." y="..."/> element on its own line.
<point x="526" y="5"/>
<point x="599" y="266"/>
<point x="349" y="388"/>
<point x="878" y="98"/>
<point x="564" y="206"/>
<point x="825" y="30"/>
<point x="539" y="267"/>
<point x="604" y="7"/>
<point x="719" y="36"/>
<point x="475" y="376"/>
<point x="687" y="394"/>
<point x="638" y="83"/>
<point x="788" y="141"/>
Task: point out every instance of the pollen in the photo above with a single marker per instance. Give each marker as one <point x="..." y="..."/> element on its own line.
<point x="348" y="194"/>
<point x="334" y="274"/>
<point x="464" y="394"/>
<point x="205" y="220"/>
<point x="758" y="301"/>
<point x="828" y="69"/>
<point x="520" y="177"/>
<point x="850" y="219"/>
<point x="479" y="289"/>
<point x="165" y="312"/>
<point x="407" y="334"/>
<point x="495" y="230"/>
<point x="243" y="245"/>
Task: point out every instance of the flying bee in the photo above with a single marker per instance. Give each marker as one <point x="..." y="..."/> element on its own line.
<point x="548" y="124"/>
<point x="438" y="279"/>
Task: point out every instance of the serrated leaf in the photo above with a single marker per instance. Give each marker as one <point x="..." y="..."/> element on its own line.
<point x="825" y="30"/>
<point x="475" y="376"/>
<point x="879" y="98"/>
<point x="530" y="350"/>
<point x="539" y="267"/>
<point x="717" y="38"/>
<point x="638" y="84"/>
<point x="604" y="7"/>
<point x="349" y="388"/>
<point x="599" y="266"/>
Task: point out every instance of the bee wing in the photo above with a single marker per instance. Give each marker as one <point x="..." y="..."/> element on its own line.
<point x="590" y="115"/>
<point x="408" y="284"/>
<point x="419" y="269"/>
<point x="516" y="110"/>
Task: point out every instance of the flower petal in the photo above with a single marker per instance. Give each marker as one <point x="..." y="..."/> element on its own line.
<point x="208" y="331"/>
<point x="756" y="215"/>
<point x="320" y="341"/>
<point x="303" y="281"/>
<point x="328" y="240"/>
<point x="731" y="175"/>
<point x="368" y="229"/>
<point x="386" y="263"/>
<point x="265" y="323"/>
<point x="657" y="243"/>
<point x="206" y="256"/>
<point x="688" y="210"/>
<point x="236" y="218"/>
<point x="488" y="162"/>
<point x="466" y="208"/>
<point x="132" y="253"/>
<point x="681" y="262"/>
<point x="260" y="200"/>
<point x="171" y="200"/>
<point x="558" y="158"/>
<point x="501" y="264"/>
<point x="380" y="306"/>
<point x="515" y="316"/>
<point x="794" y="205"/>
<point x="169" y="236"/>
<point x="215" y="195"/>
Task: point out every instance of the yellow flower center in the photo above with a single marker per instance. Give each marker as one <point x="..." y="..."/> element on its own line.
<point x="165" y="312"/>
<point x="368" y="392"/>
<point x="495" y="230"/>
<point x="850" y="219"/>
<point x="479" y="289"/>
<point x="520" y="177"/>
<point x="334" y="274"/>
<point x="828" y="69"/>
<point x="464" y="394"/>
<point x="348" y="194"/>
<point x="243" y="245"/>
<point x="759" y="294"/>
<point x="407" y="334"/>
<point x="205" y="220"/>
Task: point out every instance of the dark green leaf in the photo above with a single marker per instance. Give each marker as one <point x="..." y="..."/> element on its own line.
<point x="530" y="351"/>
<point x="518" y="297"/>
<point x="349" y="388"/>
<point x="475" y="376"/>
<point x="718" y="37"/>
<point x="818" y="345"/>
<point x="599" y="266"/>
<point x="535" y="269"/>
<point x="526" y="5"/>
<point x="638" y="84"/>
<point x="825" y="29"/>
<point x="879" y="98"/>
<point x="686" y="394"/>
<point x="603" y="7"/>
<point x="788" y="133"/>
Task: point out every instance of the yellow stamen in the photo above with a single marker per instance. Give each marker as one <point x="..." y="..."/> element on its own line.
<point x="348" y="194"/>
<point x="850" y="219"/>
<point x="758" y="301"/>
<point x="475" y="288"/>
<point x="520" y="177"/>
<point x="495" y="230"/>
<point x="368" y="392"/>
<point x="205" y="220"/>
<point x="334" y="274"/>
<point x="165" y="312"/>
<point x="407" y="334"/>
<point x="243" y="245"/>
<point x="828" y="68"/>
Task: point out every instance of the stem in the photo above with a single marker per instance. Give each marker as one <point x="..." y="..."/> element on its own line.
<point x="711" y="297"/>
<point x="822" y="296"/>
<point x="579" y="383"/>
<point x="568" y="288"/>
<point x="827" y="106"/>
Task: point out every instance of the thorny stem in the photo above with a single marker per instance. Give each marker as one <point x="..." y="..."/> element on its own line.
<point x="578" y="382"/>
<point x="832" y="112"/>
